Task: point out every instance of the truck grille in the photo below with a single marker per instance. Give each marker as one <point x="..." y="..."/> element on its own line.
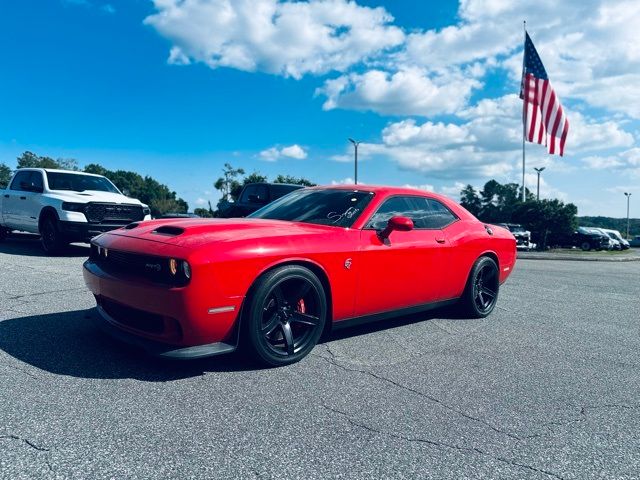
<point x="113" y="213"/>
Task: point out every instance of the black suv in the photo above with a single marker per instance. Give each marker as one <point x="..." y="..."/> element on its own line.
<point x="590" y="239"/>
<point x="256" y="195"/>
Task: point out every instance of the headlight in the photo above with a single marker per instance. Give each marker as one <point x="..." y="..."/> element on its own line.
<point x="186" y="269"/>
<point x="73" y="207"/>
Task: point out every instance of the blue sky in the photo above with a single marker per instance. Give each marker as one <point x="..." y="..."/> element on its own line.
<point x="176" y="88"/>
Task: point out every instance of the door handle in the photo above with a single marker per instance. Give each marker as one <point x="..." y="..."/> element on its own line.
<point x="23" y="198"/>
<point x="440" y="240"/>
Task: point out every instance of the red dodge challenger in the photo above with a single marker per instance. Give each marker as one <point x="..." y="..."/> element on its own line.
<point x="316" y="258"/>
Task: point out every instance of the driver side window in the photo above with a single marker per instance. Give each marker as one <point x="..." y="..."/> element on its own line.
<point x="393" y="207"/>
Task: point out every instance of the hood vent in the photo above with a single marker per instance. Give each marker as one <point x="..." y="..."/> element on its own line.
<point x="169" y="231"/>
<point x="131" y="225"/>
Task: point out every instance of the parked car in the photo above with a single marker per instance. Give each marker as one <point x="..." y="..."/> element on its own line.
<point x="523" y="236"/>
<point x="255" y="196"/>
<point x="589" y="238"/>
<point x="635" y="241"/>
<point x="615" y="234"/>
<point x="319" y="257"/>
<point x="65" y="206"/>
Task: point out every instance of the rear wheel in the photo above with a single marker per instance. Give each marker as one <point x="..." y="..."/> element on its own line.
<point x="481" y="293"/>
<point x="286" y="314"/>
<point x="50" y="236"/>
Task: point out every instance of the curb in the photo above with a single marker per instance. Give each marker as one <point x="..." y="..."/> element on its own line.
<point x="575" y="258"/>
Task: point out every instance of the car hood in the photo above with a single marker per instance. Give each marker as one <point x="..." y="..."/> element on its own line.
<point x="192" y="233"/>
<point x="93" y="196"/>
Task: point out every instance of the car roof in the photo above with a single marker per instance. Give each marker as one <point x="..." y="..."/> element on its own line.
<point x="57" y="170"/>
<point x="383" y="189"/>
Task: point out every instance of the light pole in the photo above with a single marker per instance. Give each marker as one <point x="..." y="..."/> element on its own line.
<point x="355" y="146"/>
<point x="539" y="171"/>
<point x="628" y="195"/>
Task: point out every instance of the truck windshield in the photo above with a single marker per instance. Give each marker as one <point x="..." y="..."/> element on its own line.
<point x="78" y="182"/>
<point x="335" y="207"/>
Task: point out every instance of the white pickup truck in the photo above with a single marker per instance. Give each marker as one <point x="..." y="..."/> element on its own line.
<point x="65" y="206"/>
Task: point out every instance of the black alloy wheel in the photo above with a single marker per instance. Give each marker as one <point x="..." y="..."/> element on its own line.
<point x="286" y="316"/>
<point x="50" y="236"/>
<point x="481" y="293"/>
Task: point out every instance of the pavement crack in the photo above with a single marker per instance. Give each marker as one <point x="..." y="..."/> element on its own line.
<point x="333" y="360"/>
<point x="22" y="370"/>
<point x="439" y="444"/>
<point x="25" y="441"/>
<point x="28" y="295"/>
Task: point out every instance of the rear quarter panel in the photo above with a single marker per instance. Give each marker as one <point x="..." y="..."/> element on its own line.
<point x="467" y="240"/>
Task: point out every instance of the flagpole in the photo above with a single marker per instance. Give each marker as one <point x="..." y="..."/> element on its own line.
<point x="524" y="110"/>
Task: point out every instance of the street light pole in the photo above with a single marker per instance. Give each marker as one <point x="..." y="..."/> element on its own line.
<point x="628" y="195"/>
<point x="355" y="145"/>
<point x="539" y="171"/>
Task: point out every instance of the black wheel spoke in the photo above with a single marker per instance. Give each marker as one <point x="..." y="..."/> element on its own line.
<point x="278" y="296"/>
<point x="305" y="318"/>
<point x="489" y="293"/>
<point x="288" y="338"/>
<point x="482" y="304"/>
<point x="271" y="325"/>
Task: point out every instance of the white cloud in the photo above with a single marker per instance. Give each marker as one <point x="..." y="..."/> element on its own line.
<point x="425" y="186"/>
<point x="627" y="161"/>
<point x="201" y="201"/>
<point x="280" y="37"/>
<point x="274" y="153"/>
<point x="409" y="91"/>
<point x="344" y="181"/>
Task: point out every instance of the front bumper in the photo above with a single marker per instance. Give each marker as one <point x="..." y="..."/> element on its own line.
<point x="84" y="231"/>
<point x="159" y="349"/>
<point x="175" y="322"/>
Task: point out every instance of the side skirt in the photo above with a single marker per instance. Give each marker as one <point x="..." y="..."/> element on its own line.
<point x="377" y="317"/>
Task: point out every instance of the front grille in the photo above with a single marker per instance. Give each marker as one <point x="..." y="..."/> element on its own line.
<point x="153" y="268"/>
<point x="132" y="317"/>
<point x="114" y="213"/>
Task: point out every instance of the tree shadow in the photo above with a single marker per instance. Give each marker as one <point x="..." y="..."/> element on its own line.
<point x="25" y="244"/>
<point x="71" y="343"/>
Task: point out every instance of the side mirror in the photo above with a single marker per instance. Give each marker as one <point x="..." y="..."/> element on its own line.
<point x="401" y="224"/>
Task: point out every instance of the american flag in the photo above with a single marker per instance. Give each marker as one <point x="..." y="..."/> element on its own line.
<point x="543" y="116"/>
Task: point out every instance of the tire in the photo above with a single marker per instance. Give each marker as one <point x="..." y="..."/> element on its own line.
<point x="285" y="316"/>
<point x="481" y="292"/>
<point x="585" y="246"/>
<point x="50" y="236"/>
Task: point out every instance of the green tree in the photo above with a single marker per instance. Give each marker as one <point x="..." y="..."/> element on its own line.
<point x="31" y="160"/>
<point x="202" y="212"/>
<point x="5" y="175"/>
<point x="470" y="200"/>
<point x="551" y="222"/>
<point x="228" y="183"/>
<point x="293" y="180"/>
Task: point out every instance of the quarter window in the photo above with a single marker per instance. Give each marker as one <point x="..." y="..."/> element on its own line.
<point x="257" y="194"/>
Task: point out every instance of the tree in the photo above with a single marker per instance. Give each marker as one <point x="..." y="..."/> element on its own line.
<point x="31" y="160"/>
<point x="228" y="183"/>
<point x="202" y="212"/>
<point x="470" y="200"/>
<point x="293" y="180"/>
<point x="5" y="175"/>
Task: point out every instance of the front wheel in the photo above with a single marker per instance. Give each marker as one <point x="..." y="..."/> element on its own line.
<point x="586" y="246"/>
<point x="481" y="293"/>
<point x="286" y="315"/>
<point x="50" y="237"/>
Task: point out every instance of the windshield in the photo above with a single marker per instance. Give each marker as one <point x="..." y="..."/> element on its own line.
<point x="335" y="207"/>
<point x="517" y="228"/>
<point x="79" y="183"/>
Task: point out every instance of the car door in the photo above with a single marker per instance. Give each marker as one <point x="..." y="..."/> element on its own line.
<point x="30" y="202"/>
<point x="404" y="271"/>
<point x="12" y="201"/>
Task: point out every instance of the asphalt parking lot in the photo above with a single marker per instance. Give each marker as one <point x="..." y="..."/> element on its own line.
<point x="546" y="387"/>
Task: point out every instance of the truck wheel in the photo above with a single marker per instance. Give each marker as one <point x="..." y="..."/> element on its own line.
<point x="50" y="236"/>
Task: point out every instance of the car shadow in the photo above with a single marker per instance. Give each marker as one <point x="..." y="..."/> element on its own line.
<point x="25" y="244"/>
<point x="71" y="343"/>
